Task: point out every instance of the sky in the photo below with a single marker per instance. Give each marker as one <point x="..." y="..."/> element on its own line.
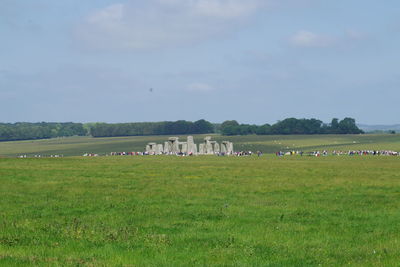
<point x="254" y="61"/>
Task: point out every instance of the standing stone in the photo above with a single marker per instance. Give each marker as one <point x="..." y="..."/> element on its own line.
<point x="175" y="147"/>
<point x="184" y="148"/>
<point x="174" y="144"/>
<point x="230" y="148"/>
<point x="216" y="148"/>
<point x="201" y="149"/>
<point x="207" y="139"/>
<point x="208" y="149"/>
<point x="191" y="145"/>
<point x="156" y="150"/>
<point x="160" y="149"/>
<point x="223" y="148"/>
<point x="166" y="147"/>
<point x="194" y="149"/>
<point x="152" y="148"/>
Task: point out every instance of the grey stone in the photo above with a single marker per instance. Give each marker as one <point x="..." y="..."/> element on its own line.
<point x="223" y="148"/>
<point x="209" y="148"/>
<point x="229" y="147"/>
<point x="191" y="146"/>
<point x="151" y="148"/>
<point x="195" y="151"/>
<point x="201" y="149"/>
<point x="160" y="149"/>
<point x="174" y="145"/>
<point x="166" y="148"/>
<point x="216" y="148"/>
<point x="184" y="147"/>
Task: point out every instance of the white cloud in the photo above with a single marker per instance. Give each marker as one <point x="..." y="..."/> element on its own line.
<point x="151" y="24"/>
<point x="356" y="35"/>
<point x="113" y="13"/>
<point x="225" y="8"/>
<point x="310" y="39"/>
<point x="200" y="87"/>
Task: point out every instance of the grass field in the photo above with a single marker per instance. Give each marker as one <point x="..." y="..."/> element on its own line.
<point x="200" y="211"/>
<point x="77" y="146"/>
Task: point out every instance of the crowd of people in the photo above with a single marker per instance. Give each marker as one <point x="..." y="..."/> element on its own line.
<point x="127" y="153"/>
<point x="238" y="154"/>
<point x="316" y="153"/>
<point x="41" y="156"/>
<point x="367" y="153"/>
<point x="340" y="152"/>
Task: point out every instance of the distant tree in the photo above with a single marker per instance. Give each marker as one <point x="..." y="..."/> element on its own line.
<point x="41" y="130"/>
<point x="292" y="126"/>
<point x="203" y="126"/>
<point x="296" y="126"/>
<point x="335" y="124"/>
<point x="229" y="123"/>
<point x="230" y="128"/>
<point x="348" y="126"/>
<point x="313" y="126"/>
<point x="264" y="129"/>
<point x="245" y="129"/>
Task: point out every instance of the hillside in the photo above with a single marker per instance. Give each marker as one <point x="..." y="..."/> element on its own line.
<point x="77" y="146"/>
<point x="373" y="128"/>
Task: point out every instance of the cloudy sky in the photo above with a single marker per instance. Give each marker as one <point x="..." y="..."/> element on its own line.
<point x="256" y="61"/>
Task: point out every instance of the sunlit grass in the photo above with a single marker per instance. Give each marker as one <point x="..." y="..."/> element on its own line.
<point x="170" y="211"/>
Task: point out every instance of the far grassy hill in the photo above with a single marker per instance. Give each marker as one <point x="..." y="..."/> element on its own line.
<point x="77" y="146"/>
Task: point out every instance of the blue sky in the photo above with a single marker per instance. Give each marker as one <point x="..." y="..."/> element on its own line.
<point x="256" y="61"/>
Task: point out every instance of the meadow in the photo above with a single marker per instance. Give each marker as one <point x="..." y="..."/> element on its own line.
<point x="201" y="211"/>
<point x="196" y="211"/>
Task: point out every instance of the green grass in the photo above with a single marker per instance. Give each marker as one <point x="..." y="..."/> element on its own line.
<point x="77" y="146"/>
<point x="201" y="211"/>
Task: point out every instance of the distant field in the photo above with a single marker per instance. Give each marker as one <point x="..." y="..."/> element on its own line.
<point x="200" y="211"/>
<point x="76" y="146"/>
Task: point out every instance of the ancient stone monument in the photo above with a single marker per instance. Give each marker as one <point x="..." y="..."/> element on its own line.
<point x="151" y="148"/>
<point x="191" y="146"/>
<point x="173" y="146"/>
<point x="227" y="147"/>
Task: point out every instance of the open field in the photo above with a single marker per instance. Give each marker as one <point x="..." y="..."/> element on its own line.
<point x="197" y="211"/>
<point x="77" y="146"/>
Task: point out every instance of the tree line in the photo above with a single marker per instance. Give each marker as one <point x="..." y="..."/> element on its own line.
<point x="292" y="126"/>
<point x="151" y="128"/>
<point x="44" y="130"/>
<point x="41" y="130"/>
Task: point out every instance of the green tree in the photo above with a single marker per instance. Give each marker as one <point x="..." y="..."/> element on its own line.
<point x="230" y="128"/>
<point x="203" y="126"/>
<point x="348" y="126"/>
<point x="264" y="129"/>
